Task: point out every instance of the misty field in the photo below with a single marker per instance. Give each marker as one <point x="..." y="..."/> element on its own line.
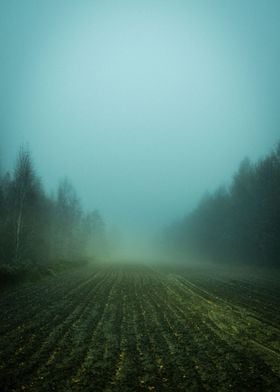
<point x="133" y="328"/>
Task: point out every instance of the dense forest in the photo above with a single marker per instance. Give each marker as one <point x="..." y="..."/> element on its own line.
<point x="240" y="223"/>
<point x="36" y="228"/>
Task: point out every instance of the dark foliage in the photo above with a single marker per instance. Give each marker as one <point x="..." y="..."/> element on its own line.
<point x="238" y="224"/>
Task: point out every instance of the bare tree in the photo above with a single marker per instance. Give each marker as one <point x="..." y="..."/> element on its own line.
<point x="25" y="183"/>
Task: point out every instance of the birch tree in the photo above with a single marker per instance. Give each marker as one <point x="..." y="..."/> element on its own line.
<point x="25" y="186"/>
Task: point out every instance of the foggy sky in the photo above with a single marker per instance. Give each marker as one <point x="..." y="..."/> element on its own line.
<point x="144" y="105"/>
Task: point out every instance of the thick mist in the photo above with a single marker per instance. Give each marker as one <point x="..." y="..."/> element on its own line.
<point x="139" y="195"/>
<point x="143" y="105"/>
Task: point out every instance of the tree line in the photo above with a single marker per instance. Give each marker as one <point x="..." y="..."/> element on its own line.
<point x="240" y="223"/>
<point x="38" y="228"/>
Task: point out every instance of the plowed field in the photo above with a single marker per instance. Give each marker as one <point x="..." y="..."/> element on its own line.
<point x="134" y="328"/>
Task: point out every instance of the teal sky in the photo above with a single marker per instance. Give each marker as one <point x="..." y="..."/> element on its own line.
<point x="144" y="105"/>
